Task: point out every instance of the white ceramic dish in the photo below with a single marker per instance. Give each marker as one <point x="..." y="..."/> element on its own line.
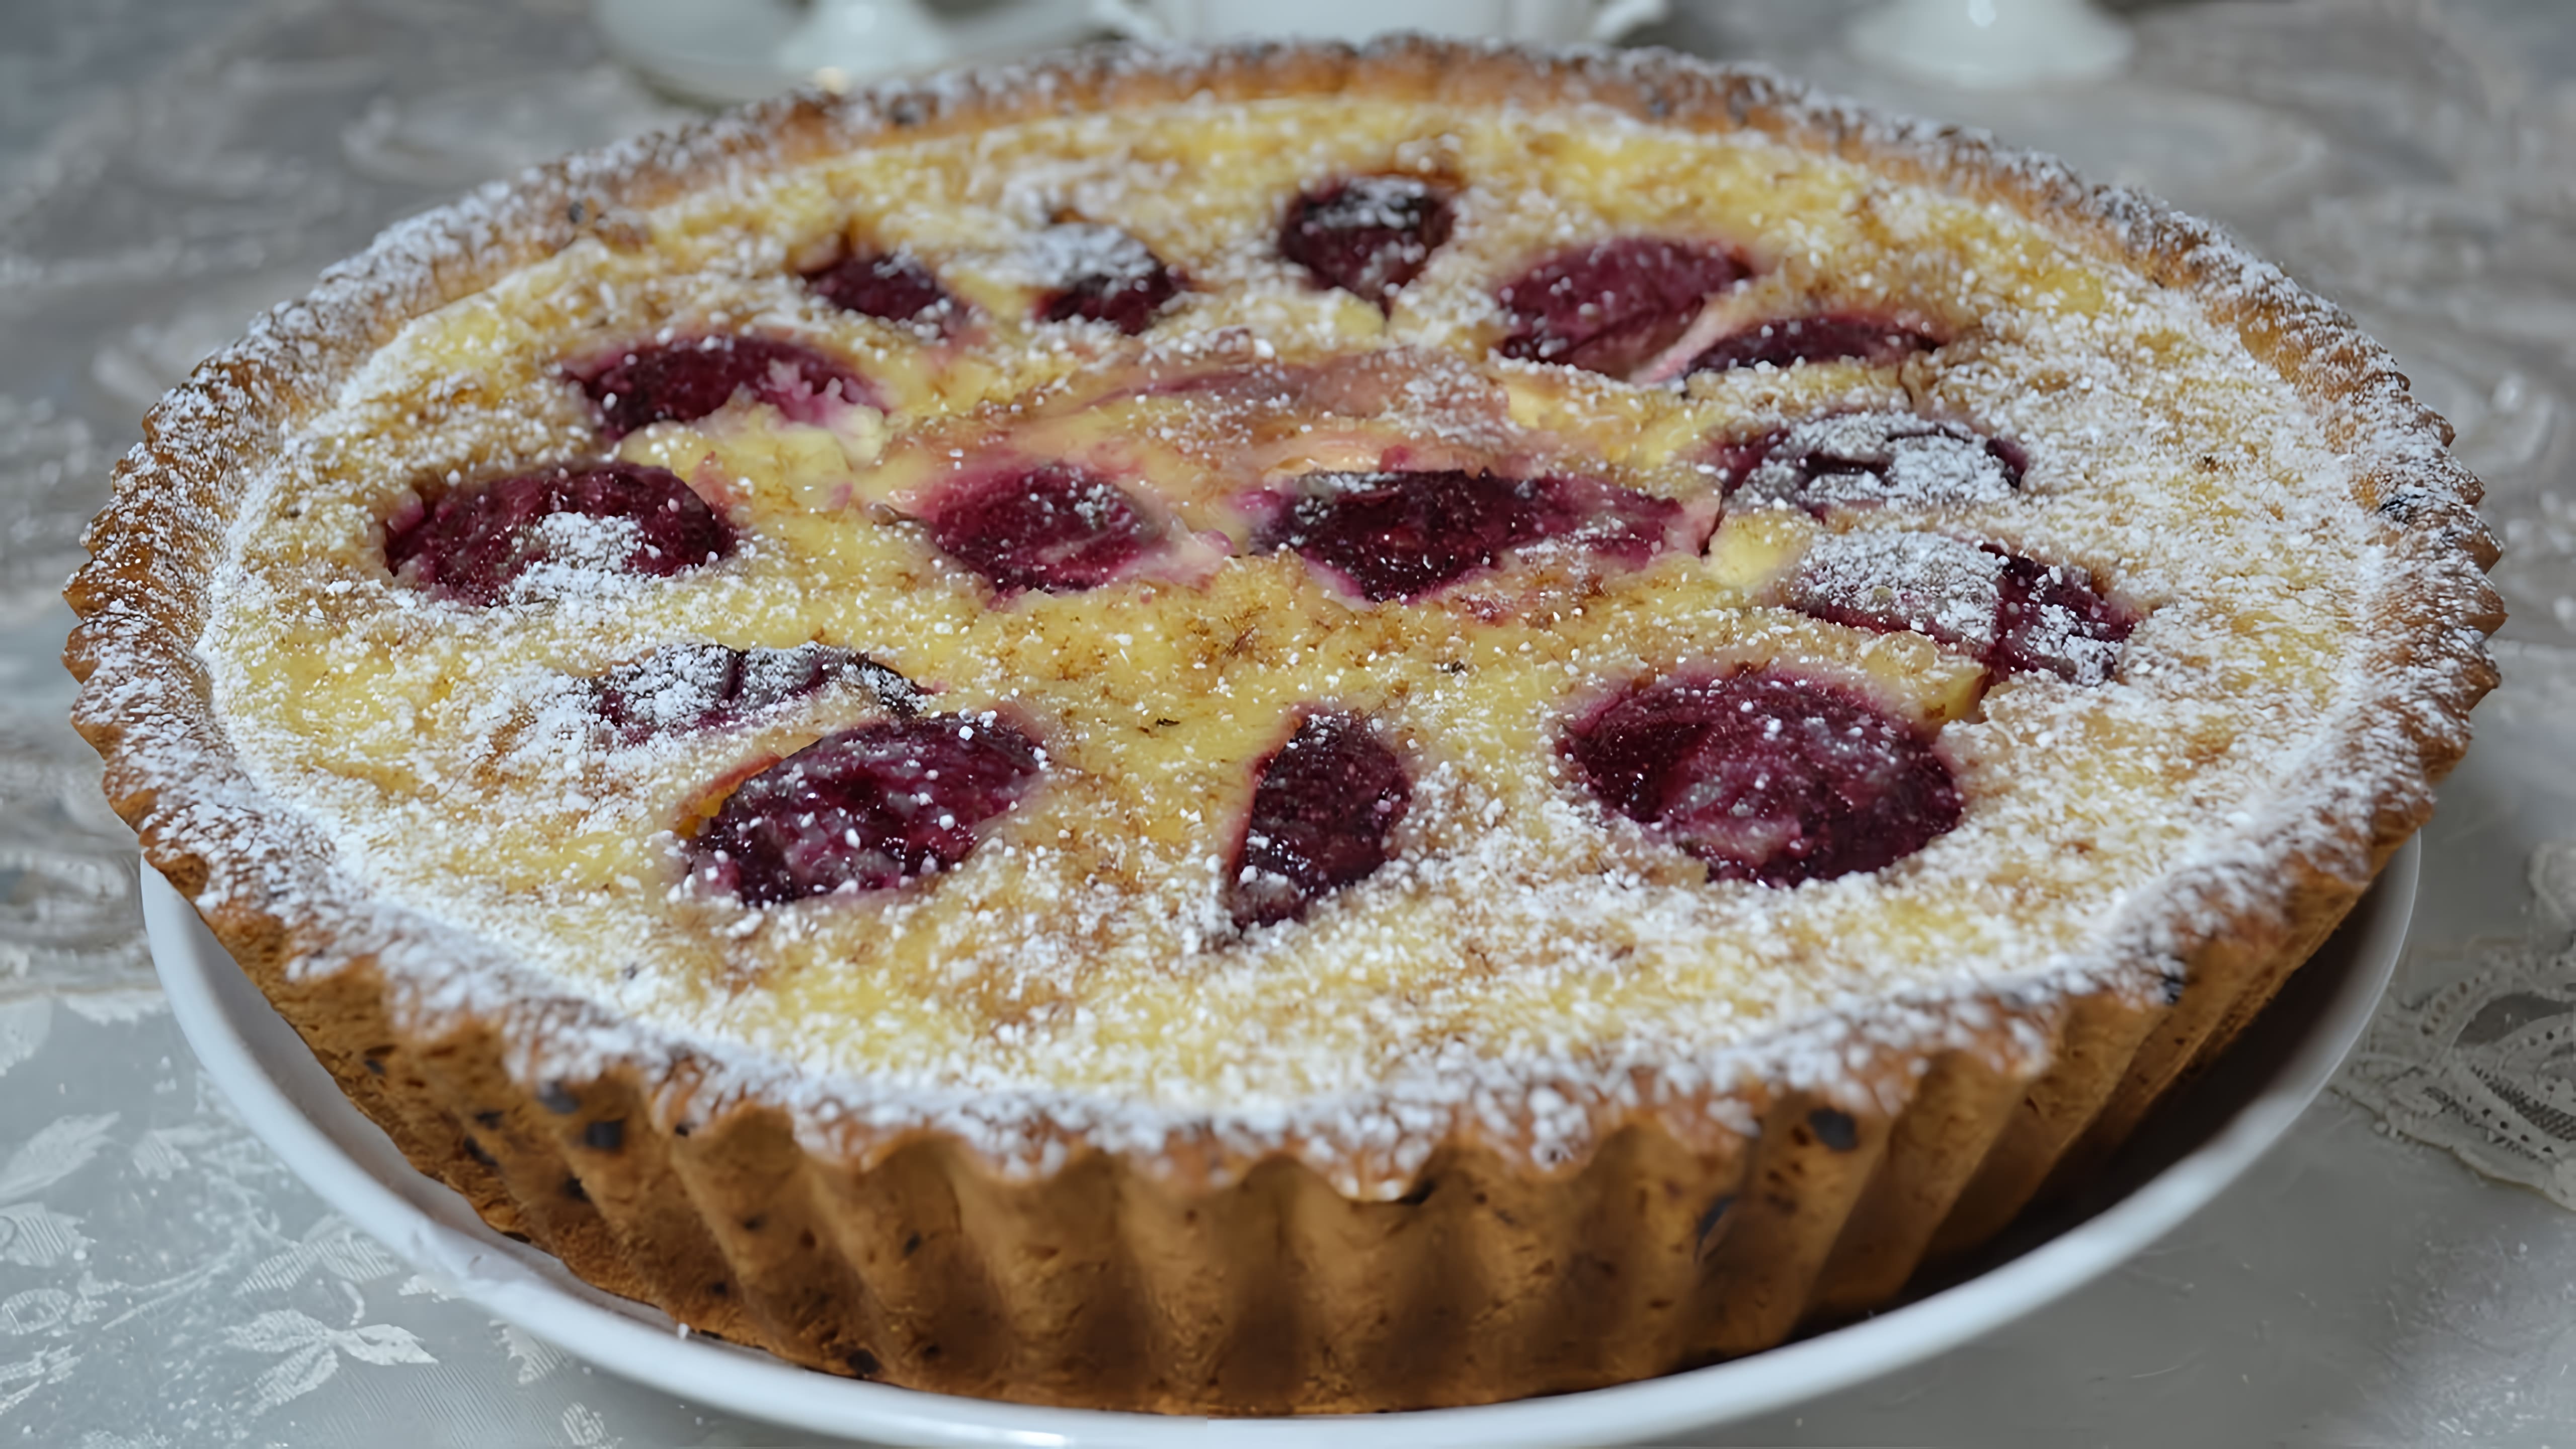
<point x="2192" y="1150"/>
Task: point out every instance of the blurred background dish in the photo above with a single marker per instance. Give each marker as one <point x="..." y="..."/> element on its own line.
<point x="1993" y="43"/>
<point x="743" y="50"/>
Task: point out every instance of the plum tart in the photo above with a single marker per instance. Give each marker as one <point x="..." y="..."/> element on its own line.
<point x="1281" y="730"/>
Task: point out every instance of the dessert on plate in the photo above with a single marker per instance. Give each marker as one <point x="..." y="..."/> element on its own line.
<point x="1281" y="729"/>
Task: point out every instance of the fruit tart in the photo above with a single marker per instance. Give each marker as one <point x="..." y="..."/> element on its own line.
<point x="1281" y="729"/>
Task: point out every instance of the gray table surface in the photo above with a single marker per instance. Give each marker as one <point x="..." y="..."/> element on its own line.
<point x="169" y="167"/>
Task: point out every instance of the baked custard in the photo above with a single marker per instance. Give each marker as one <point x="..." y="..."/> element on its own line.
<point x="1281" y="730"/>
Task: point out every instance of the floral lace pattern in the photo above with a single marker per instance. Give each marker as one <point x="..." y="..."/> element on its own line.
<point x="2485" y="1063"/>
<point x="168" y="167"/>
<point x="165" y="1282"/>
<point x="2475" y="1049"/>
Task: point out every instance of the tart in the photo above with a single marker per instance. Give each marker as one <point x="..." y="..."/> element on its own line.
<point x="1281" y="729"/>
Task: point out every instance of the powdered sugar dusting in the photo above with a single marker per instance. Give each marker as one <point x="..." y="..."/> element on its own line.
<point x="1523" y="966"/>
<point x="1926" y="582"/>
<point x="1874" y="459"/>
<point x="1058" y="254"/>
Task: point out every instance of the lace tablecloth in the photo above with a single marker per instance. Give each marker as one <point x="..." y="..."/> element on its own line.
<point x="168" y="167"/>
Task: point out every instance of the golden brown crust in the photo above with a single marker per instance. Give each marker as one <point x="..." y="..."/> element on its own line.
<point x="1199" y="1278"/>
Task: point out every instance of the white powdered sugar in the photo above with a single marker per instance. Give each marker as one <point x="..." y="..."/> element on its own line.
<point x="2050" y="629"/>
<point x="438" y="788"/>
<point x="1873" y="458"/>
<point x="579" y="555"/>
<point x="1931" y="583"/>
<point x="1074" y="251"/>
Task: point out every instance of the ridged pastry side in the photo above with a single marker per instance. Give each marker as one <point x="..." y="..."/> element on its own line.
<point x="1677" y="1243"/>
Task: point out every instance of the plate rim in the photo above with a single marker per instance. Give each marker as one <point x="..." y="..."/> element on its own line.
<point x="290" y="1102"/>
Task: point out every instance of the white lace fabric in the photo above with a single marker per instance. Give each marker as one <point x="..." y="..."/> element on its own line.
<point x="168" y="167"/>
<point x="2474" y="1051"/>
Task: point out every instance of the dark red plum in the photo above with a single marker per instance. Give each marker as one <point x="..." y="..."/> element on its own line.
<point x="473" y="543"/>
<point x="889" y="286"/>
<point x="1323" y="806"/>
<point x="865" y="809"/>
<point x="1054" y="527"/>
<point x="686" y="688"/>
<point x="684" y="381"/>
<point x="2051" y="619"/>
<point x="2015" y="614"/>
<point x="1834" y="337"/>
<point x="1614" y="306"/>
<point x="1102" y="274"/>
<point x="1401" y="535"/>
<point x="1369" y="235"/>
<point x="1891" y="579"/>
<point x="1873" y="459"/>
<point x="1767" y="777"/>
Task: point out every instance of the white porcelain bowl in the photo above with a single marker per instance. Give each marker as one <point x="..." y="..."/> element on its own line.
<point x="2193" y="1148"/>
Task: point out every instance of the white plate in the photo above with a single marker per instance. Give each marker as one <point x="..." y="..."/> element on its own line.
<point x="2193" y="1148"/>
